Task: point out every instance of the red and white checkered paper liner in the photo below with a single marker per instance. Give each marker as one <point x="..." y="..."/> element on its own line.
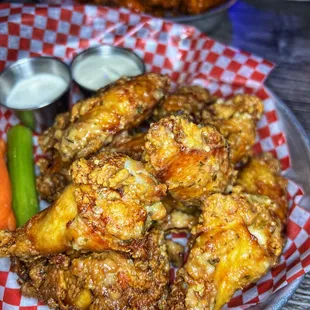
<point x="188" y="56"/>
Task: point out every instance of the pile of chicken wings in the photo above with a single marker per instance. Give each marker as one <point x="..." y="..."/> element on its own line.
<point x="128" y="166"/>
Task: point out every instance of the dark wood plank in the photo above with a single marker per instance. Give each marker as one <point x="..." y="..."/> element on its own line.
<point x="291" y="83"/>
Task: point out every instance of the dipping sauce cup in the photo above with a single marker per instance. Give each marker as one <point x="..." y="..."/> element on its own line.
<point x="101" y="65"/>
<point x="36" y="89"/>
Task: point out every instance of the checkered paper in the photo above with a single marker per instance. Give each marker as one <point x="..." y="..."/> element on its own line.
<point x="188" y="56"/>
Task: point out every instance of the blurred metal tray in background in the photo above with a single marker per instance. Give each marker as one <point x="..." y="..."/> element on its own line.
<point x="212" y="16"/>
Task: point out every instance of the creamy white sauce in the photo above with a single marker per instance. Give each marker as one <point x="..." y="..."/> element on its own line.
<point x="97" y="71"/>
<point x="259" y="234"/>
<point x="136" y="169"/>
<point x="36" y="91"/>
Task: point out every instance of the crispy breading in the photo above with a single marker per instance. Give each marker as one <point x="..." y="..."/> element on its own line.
<point x="238" y="239"/>
<point x="176" y="253"/>
<point x="166" y="4"/>
<point x="159" y="7"/>
<point x="53" y="134"/>
<point x="262" y="175"/>
<point x="111" y="202"/>
<point x="236" y="120"/>
<point x="54" y="176"/>
<point x="131" y="144"/>
<point x="138" y="6"/>
<point x="200" y="93"/>
<point x="192" y="161"/>
<point x="178" y="216"/>
<point x="172" y="204"/>
<point x="190" y="101"/>
<point x="178" y="220"/>
<point x="108" y="280"/>
<point x="95" y="121"/>
<point x="198" y="6"/>
<point x="54" y="173"/>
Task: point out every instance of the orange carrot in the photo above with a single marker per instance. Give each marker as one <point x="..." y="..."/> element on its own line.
<point x="7" y="217"/>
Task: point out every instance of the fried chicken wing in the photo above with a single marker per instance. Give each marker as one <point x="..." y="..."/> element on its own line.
<point x="198" y="6"/>
<point x="154" y="7"/>
<point x="238" y="239"/>
<point x="158" y="7"/>
<point x="192" y="161"/>
<point x="236" y="120"/>
<point x="94" y="123"/>
<point x="52" y="135"/>
<point x="129" y="144"/>
<point x="172" y="204"/>
<point x="200" y="93"/>
<point x="112" y="201"/>
<point x="262" y="175"/>
<point x="178" y="220"/>
<point x="190" y="101"/>
<point x="54" y="173"/>
<point x="108" y="280"/>
<point x="135" y="5"/>
<point x="175" y="253"/>
<point x="117" y="107"/>
<point x="178" y="216"/>
<point x="54" y="176"/>
<point x="166" y="4"/>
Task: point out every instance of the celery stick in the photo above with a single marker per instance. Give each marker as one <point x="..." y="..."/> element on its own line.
<point x="27" y="118"/>
<point x="21" y="169"/>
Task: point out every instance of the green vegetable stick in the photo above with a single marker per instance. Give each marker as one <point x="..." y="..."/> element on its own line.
<point x="27" y="118"/>
<point x="21" y="169"/>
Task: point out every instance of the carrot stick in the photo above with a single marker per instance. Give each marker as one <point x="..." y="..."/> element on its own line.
<point x="7" y="217"/>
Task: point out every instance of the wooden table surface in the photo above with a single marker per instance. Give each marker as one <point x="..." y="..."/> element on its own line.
<point x="277" y="30"/>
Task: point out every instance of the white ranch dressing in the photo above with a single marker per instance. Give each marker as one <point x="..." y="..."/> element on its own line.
<point x="97" y="71"/>
<point x="36" y="91"/>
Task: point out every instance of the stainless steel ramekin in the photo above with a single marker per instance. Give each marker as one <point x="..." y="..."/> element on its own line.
<point x="43" y="116"/>
<point x="106" y="50"/>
